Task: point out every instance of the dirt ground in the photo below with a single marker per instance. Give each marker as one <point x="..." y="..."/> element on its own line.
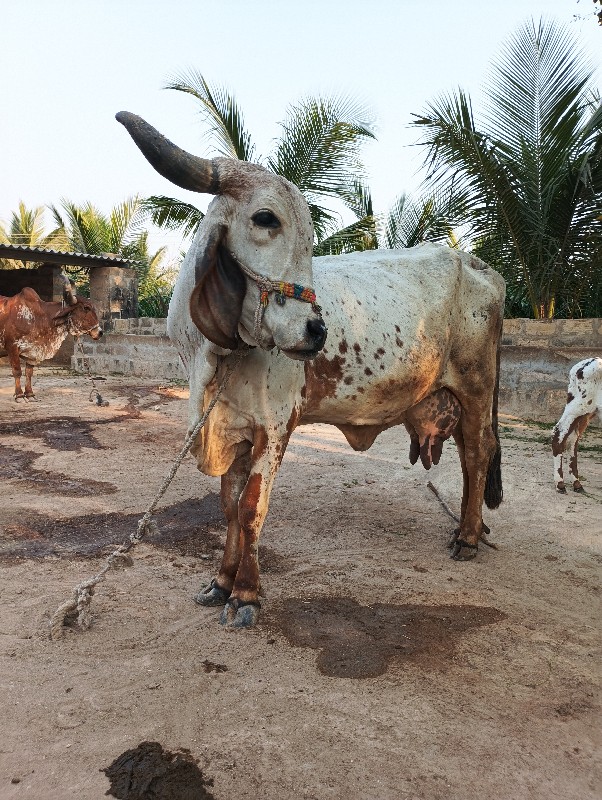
<point x="380" y="670"/>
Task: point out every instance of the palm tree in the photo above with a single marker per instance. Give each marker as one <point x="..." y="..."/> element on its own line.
<point x="318" y="151"/>
<point x="27" y="228"/>
<point x="89" y="231"/>
<point x="528" y="173"/>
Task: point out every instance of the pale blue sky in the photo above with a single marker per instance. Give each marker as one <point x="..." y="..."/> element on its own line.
<point x="66" y="67"/>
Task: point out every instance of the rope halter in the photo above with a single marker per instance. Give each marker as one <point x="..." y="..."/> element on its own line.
<point x="282" y="290"/>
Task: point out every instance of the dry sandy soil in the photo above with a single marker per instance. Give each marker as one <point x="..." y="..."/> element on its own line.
<point x="380" y="668"/>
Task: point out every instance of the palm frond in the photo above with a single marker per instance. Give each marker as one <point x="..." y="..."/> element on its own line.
<point x="410" y="222"/>
<point x="173" y="214"/>
<point x="530" y="169"/>
<point x="220" y="111"/>
<point x="319" y="147"/>
<point x="360" y="235"/>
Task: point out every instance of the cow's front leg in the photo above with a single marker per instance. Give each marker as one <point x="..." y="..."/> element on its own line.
<point x="242" y="608"/>
<point x="233" y="483"/>
<point x="15" y="365"/>
<point x="559" y="474"/>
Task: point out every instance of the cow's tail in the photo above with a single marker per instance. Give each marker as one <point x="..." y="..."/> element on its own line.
<point x="494" y="492"/>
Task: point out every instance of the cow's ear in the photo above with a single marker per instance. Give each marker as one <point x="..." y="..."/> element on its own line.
<point x="216" y="302"/>
<point x="63" y="312"/>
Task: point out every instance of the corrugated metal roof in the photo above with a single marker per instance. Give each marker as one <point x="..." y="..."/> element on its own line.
<point x="24" y="253"/>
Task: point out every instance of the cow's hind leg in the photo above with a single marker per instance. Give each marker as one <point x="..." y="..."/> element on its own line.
<point x="581" y="425"/>
<point x="233" y="482"/>
<point x="476" y="446"/>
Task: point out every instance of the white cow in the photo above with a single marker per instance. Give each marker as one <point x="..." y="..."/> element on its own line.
<point x="413" y="338"/>
<point x="584" y="401"/>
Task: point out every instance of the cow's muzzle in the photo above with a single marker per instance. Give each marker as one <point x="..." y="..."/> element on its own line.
<point x="317" y="332"/>
<point x="315" y="341"/>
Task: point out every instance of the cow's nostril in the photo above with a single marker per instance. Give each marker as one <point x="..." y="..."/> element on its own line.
<point x="316" y="327"/>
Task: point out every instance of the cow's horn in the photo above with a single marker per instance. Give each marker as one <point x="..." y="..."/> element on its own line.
<point x="185" y="170"/>
<point x="68" y="294"/>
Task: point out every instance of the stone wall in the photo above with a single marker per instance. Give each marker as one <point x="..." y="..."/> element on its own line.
<point x="136" y="346"/>
<point x="536" y="358"/>
<point x="553" y="333"/>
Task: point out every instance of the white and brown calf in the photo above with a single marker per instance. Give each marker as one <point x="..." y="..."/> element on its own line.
<point x="584" y="401"/>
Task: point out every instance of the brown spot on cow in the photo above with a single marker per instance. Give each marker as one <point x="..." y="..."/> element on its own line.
<point x="323" y="376"/>
<point x="249" y="501"/>
<point x="357" y="348"/>
<point x="260" y="442"/>
<point x="293" y="421"/>
<point x="398" y="341"/>
<point x="348" y="380"/>
<point x="368" y="371"/>
<point x="570" y="397"/>
<point x="343" y="347"/>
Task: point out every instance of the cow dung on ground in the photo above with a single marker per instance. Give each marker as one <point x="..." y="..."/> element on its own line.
<point x="400" y="674"/>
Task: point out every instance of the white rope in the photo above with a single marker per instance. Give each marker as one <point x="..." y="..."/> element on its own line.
<point x="77" y="608"/>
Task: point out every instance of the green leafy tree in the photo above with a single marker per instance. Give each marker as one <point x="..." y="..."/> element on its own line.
<point x="527" y="175"/>
<point x="318" y="150"/>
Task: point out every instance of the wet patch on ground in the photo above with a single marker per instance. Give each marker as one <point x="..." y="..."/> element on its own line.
<point x="73" y="433"/>
<point x="356" y="641"/>
<point x="183" y="529"/>
<point x="16" y="465"/>
<point x="148" y="772"/>
<point x="59" y="433"/>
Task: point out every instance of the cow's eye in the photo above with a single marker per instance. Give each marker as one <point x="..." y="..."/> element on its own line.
<point x="265" y="219"/>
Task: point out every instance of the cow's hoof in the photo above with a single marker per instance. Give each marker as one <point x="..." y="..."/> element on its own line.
<point x="462" y="551"/>
<point x="579" y="488"/>
<point x="561" y="489"/>
<point x="30" y="397"/>
<point x="453" y="538"/>
<point x="19" y="397"/>
<point x="212" y="595"/>
<point x="240" y="615"/>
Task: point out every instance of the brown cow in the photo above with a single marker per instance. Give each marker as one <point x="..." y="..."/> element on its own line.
<point x="32" y="330"/>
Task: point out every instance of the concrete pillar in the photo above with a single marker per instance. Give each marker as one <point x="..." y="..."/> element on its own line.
<point x="114" y="292"/>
